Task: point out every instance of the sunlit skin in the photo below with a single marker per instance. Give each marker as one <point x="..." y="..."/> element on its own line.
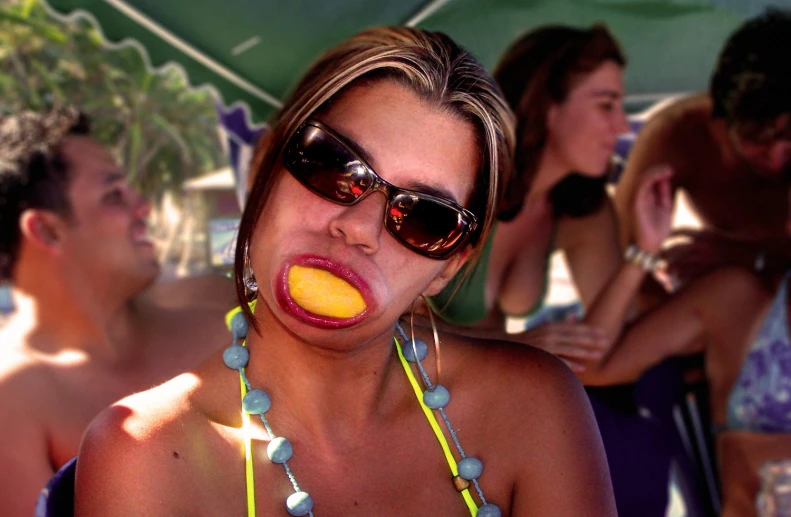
<point x="733" y="185"/>
<point x="362" y="445"/>
<point x="89" y="327"/>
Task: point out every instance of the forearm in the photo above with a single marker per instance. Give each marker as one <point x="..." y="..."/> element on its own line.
<point x="612" y="307"/>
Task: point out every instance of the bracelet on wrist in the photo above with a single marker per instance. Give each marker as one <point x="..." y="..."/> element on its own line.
<point x="641" y="258"/>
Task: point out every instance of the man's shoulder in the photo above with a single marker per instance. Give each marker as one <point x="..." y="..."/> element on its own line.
<point x="27" y="382"/>
<point x="680" y="117"/>
<point x="204" y="291"/>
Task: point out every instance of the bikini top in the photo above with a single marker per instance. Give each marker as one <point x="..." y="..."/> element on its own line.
<point x="429" y="414"/>
<point x="760" y="400"/>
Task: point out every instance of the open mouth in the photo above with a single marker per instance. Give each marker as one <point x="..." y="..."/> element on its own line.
<point x="323" y="293"/>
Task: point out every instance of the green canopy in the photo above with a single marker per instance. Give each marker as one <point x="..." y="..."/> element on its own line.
<point x="251" y="51"/>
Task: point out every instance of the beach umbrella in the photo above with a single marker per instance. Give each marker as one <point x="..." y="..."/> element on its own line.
<point x="251" y="51"/>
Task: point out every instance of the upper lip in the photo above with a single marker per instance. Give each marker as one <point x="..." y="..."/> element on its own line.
<point x="140" y="232"/>
<point x="336" y="268"/>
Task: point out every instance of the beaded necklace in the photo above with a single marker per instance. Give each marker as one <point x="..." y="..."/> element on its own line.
<point x="434" y="397"/>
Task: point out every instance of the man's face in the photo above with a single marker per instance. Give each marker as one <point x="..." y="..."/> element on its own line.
<point x="766" y="147"/>
<point x="107" y="236"/>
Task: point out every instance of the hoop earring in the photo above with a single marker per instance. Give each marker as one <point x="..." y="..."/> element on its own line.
<point x="434" y="331"/>
<point x="249" y="278"/>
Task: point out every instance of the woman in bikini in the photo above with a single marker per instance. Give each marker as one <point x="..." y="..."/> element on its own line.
<point x="565" y="87"/>
<point x="379" y="183"/>
<point x="739" y="321"/>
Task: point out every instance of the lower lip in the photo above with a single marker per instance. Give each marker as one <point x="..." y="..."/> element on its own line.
<point x="288" y="304"/>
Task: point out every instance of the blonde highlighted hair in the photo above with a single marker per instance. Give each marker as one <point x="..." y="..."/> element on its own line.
<point x="429" y="64"/>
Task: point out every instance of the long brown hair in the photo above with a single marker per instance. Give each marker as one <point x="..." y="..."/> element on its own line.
<point x="538" y="70"/>
<point x="428" y="63"/>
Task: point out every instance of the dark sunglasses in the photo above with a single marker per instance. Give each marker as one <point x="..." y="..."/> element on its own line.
<point x="320" y="159"/>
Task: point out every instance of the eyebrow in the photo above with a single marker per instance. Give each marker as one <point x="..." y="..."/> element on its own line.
<point x="612" y="94"/>
<point x="113" y="177"/>
<point x="413" y="185"/>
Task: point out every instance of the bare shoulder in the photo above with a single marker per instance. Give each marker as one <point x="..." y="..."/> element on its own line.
<point x="528" y="415"/>
<point x="126" y="454"/>
<point x="668" y="134"/>
<point x="680" y="113"/>
<point x="517" y="376"/>
<point x="209" y="291"/>
<point x="25" y="379"/>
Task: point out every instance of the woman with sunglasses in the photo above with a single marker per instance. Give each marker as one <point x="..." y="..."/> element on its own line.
<point x="565" y="87"/>
<point x="378" y="183"/>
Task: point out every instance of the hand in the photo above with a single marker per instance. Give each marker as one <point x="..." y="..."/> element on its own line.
<point x="653" y="208"/>
<point x="572" y="342"/>
<point x="700" y="251"/>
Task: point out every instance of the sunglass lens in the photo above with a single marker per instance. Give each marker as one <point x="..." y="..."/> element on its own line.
<point x="325" y="166"/>
<point x="433" y="228"/>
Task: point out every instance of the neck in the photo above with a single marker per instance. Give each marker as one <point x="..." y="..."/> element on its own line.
<point x="60" y="311"/>
<point x="550" y="171"/>
<point x="330" y="389"/>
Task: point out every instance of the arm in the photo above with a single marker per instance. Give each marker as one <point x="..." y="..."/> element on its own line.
<point x="683" y="325"/>
<point x="591" y="248"/>
<point x="118" y="475"/>
<point x="654" y="146"/>
<point x="609" y="308"/>
<point x="23" y="454"/>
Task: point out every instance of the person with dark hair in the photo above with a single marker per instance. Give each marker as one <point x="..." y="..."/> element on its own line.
<point x="379" y="181"/>
<point x="565" y="87"/>
<point x="730" y="152"/>
<point x="89" y="326"/>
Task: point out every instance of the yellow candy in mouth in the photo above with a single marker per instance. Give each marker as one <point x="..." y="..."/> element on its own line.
<point x="324" y="294"/>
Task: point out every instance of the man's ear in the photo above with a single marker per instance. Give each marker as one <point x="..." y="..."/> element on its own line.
<point x="450" y="270"/>
<point x="43" y="229"/>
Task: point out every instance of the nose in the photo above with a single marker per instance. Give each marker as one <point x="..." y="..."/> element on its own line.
<point x="361" y="225"/>
<point x="140" y="206"/>
<point x="621" y="123"/>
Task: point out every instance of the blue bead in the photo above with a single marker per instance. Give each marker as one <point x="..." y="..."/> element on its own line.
<point x="279" y="450"/>
<point x="409" y="351"/>
<point x="489" y="510"/>
<point x="239" y="325"/>
<point x="236" y="356"/>
<point x="470" y="468"/>
<point x="299" y="503"/>
<point x="436" y="398"/>
<point x="256" y="402"/>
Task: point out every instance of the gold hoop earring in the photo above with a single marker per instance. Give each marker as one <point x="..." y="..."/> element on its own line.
<point x="433" y="329"/>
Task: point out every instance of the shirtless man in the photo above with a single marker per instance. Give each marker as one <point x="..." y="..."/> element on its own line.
<point x="90" y="326"/>
<point x="730" y="151"/>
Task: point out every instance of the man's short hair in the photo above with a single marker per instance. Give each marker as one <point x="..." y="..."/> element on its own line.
<point x="752" y="80"/>
<point x="33" y="172"/>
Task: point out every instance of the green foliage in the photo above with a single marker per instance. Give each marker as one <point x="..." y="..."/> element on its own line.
<point x="160" y="129"/>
